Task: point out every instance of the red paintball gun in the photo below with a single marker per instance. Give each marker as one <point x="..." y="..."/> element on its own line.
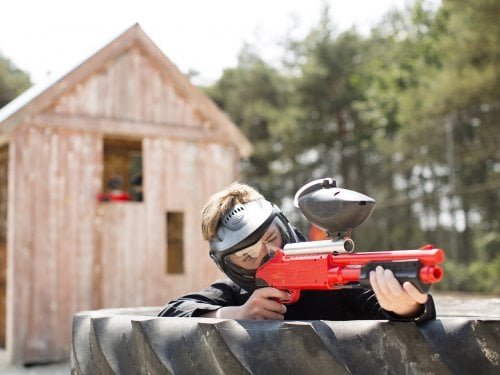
<point x="332" y="263"/>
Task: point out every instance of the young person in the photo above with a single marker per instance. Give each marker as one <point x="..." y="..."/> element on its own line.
<point x="243" y="230"/>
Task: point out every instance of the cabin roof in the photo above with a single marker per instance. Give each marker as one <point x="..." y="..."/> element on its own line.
<point x="39" y="96"/>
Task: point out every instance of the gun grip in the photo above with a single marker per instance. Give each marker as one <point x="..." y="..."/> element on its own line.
<point x="294" y="297"/>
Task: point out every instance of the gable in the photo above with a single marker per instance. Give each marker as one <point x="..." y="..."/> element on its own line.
<point x="129" y="88"/>
<point x="128" y="81"/>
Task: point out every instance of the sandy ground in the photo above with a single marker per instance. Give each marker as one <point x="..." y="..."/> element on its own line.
<point x="447" y="305"/>
<point x="459" y="304"/>
<point x="49" y="369"/>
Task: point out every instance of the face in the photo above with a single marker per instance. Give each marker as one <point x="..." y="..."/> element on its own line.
<point x="251" y="257"/>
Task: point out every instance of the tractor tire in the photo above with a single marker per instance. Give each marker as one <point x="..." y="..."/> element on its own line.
<point x="135" y="341"/>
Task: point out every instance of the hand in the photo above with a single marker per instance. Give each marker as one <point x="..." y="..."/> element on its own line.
<point x="404" y="300"/>
<point x="261" y="305"/>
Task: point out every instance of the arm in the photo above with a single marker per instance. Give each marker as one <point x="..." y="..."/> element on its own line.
<point x="365" y="305"/>
<point x="262" y="305"/>
<point x="225" y="299"/>
<point x="219" y="294"/>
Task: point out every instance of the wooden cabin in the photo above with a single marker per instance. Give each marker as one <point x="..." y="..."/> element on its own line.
<point x="126" y="111"/>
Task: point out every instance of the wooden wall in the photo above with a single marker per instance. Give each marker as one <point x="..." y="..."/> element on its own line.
<point x="51" y="239"/>
<point x="70" y="253"/>
<point x="66" y="251"/>
<point x="132" y="236"/>
<point x="180" y="176"/>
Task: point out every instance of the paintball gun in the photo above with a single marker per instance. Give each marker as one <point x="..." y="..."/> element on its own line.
<point x="332" y="263"/>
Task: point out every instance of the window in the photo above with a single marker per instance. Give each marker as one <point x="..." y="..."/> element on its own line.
<point x="175" y="243"/>
<point x="122" y="161"/>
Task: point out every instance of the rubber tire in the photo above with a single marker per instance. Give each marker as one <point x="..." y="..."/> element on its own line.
<point x="135" y="341"/>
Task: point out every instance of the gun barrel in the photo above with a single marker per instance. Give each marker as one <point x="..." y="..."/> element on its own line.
<point x="345" y="245"/>
<point x="426" y="256"/>
<point x="429" y="274"/>
<point x="317" y="266"/>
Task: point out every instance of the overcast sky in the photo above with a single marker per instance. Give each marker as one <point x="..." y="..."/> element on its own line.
<point x="42" y="36"/>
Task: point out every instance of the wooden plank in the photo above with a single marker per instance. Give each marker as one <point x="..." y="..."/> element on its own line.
<point x="154" y="200"/>
<point x="90" y="184"/>
<point x="136" y="279"/>
<point x="67" y="292"/>
<point x="126" y="128"/>
<point x="182" y="197"/>
<point x="4" y="179"/>
<point x="111" y="261"/>
<point x="124" y="277"/>
<point x="31" y="231"/>
<point x="221" y="157"/>
<point x="48" y="267"/>
<point x="41" y="273"/>
<point x="134" y="93"/>
<point x="18" y="246"/>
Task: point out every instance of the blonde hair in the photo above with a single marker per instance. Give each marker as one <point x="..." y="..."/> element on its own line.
<point x="219" y="203"/>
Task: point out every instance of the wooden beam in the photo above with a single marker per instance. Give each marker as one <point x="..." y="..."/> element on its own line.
<point x="130" y="129"/>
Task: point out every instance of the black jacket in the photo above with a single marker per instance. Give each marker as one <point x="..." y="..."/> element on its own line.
<point x="342" y="304"/>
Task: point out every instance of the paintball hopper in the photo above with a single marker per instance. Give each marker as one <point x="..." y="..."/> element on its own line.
<point x="333" y="209"/>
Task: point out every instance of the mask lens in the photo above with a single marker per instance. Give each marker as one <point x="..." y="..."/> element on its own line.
<point x="251" y="257"/>
<point x="251" y="252"/>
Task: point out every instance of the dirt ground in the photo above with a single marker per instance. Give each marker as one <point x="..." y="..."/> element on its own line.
<point x="447" y="305"/>
<point x="48" y="369"/>
<point x="468" y="305"/>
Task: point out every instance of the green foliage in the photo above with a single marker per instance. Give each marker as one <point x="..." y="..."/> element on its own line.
<point x="478" y="276"/>
<point x="13" y="81"/>
<point x="256" y="97"/>
<point x="408" y="115"/>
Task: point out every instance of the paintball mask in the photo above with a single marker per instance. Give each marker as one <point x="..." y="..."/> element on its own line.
<point x="242" y="226"/>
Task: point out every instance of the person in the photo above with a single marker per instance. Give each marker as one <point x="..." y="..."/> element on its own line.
<point x="243" y="230"/>
<point x="116" y="194"/>
<point x="137" y="190"/>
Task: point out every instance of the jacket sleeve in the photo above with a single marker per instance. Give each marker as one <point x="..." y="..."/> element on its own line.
<point x="364" y="304"/>
<point x="220" y="294"/>
<point x="427" y="312"/>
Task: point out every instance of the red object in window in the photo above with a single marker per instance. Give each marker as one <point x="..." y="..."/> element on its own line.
<point x="114" y="197"/>
<point x="119" y="196"/>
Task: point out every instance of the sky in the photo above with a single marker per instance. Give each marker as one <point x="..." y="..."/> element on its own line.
<point x="45" y="37"/>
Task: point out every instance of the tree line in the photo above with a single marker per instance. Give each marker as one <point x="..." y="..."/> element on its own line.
<point x="407" y="115"/>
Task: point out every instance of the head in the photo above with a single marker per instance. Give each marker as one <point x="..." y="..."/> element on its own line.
<point x="243" y="230"/>
<point x="115" y="182"/>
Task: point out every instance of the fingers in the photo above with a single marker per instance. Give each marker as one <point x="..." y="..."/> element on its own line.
<point x="415" y="293"/>
<point x="387" y="283"/>
<point x="272" y="293"/>
<point x="263" y="304"/>
<point x="392" y="296"/>
<point x="381" y="288"/>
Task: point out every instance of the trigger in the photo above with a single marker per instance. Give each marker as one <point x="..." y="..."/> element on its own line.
<point x="294" y="297"/>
